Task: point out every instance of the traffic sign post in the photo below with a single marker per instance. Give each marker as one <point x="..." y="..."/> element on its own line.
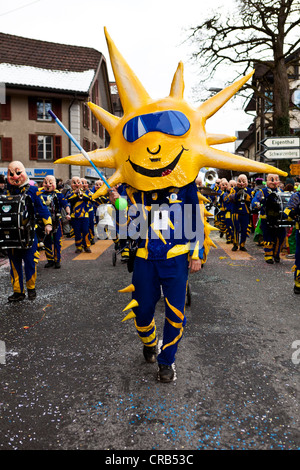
<point x="280" y="148"/>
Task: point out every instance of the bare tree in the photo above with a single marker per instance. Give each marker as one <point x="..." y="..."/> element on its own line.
<point x="260" y="34"/>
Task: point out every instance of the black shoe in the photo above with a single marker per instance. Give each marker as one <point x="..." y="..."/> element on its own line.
<point x="150" y="353"/>
<point x="57" y="265"/>
<point x="165" y="373"/>
<point x="87" y="250"/>
<point x="16" y="297"/>
<point x="277" y="259"/>
<point x="234" y="248"/>
<point x="296" y="290"/>
<point x="242" y="248"/>
<point x="31" y="294"/>
<point x="269" y="261"/>
<point x="50" y="264"/>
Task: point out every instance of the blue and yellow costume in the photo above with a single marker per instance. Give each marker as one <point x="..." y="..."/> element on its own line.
<point x="173" y="233"/>
<point x="293" y="211"/>
<point x="273" y="236"/>
<point x="30" y="256"/>
<point x="240" y="199"/>
<point x="80" y="205"/>
<point x="55" y="201"/>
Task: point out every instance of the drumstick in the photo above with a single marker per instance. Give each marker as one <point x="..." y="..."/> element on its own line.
<point x="120" y="204"/>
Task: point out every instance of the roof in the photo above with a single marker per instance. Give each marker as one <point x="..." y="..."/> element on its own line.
<point x="47" y="55"/>
<point x="21" y="75"/>
<point x="34" y="63"/>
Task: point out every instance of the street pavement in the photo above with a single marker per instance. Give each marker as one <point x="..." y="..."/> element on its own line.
<point x="73" y="376"/>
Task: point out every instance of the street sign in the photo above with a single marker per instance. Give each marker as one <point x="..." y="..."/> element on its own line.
<point x="282" y="154"/>
<point x="295" y="169"/>
<point x="281" y="142"/>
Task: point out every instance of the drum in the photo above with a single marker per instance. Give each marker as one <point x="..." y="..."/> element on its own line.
<point x="16" y="221"/>
<point x="276" y="204"/>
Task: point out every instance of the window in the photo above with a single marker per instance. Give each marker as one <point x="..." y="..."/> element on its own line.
<point x="296" y="97"/>
<point x="44" y="150"/>
<point x="45" y="147"/>
<point x="38" y="108"/>
<point x="42" y="107"/>
<point x="268" y="102"/>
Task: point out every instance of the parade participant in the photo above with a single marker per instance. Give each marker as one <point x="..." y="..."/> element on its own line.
<point x="85" y="187"/>
<point x="157" y="149"/>
<point x="162" y="261"/>
<point x="266" y="201"/>
<point x="228" y="212"/>
<point x="18" y="183"/>
<point x="240" y="196"/>
<point x="222" y="192"/>
<point x="293" y="212"/>
<point x="55" y="202"/>
<point x="79" y="202"/>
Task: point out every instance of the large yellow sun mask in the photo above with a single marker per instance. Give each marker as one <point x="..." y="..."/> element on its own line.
<point x="161" y="143"/>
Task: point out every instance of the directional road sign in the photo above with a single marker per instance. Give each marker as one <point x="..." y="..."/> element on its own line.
<point x="281" y="142"/>
<point x="281" y="154"/>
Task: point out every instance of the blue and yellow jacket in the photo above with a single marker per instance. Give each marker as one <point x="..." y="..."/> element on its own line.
<point x="292" y="211"/>
<point x="260" y="199"/>
<point x="40" y="208"/>
<point x="79" y="203"/>
<point x="47" y="196"/>
<point x="165" y="223"/>
<point x="240" y="206"/>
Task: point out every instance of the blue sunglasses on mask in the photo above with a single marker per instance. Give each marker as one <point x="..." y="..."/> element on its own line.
<point x="168" y="122"/>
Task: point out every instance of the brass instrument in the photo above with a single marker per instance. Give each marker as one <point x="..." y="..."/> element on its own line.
<point x="210" y="177"/>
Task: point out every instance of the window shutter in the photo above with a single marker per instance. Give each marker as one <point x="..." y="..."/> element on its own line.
<point x="32" y="108"/>
<point x="6" y="149"/>
<point x="56" y="147"/>
<point x="56" y="107"/>
<point x="5" y="110"/>
<point x="33" y="147"/>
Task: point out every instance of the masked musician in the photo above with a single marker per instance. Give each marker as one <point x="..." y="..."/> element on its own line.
<point x="293" y="212"/>
<point x="266" y="200"/>
<point x="55" y="201"/>
<point x="223" y="191"/>
<point x="240" y="197"/>
<point x="80" y="205"/>
<point x="85" y="187"/>
<point x="18" y="183"/>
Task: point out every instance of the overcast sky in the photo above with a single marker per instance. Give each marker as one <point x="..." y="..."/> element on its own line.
<point x="150" y="35"/>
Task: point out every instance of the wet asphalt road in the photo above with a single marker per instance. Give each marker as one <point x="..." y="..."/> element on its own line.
<point x="73" y="375"/>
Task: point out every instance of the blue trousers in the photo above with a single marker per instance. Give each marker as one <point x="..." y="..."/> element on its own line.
<point x="81" y="232"/>
<point x="148" y="278"/>
<point x="54" y="240"/>
<point x="241" y="228"/>
<point x="297" y="259"/>
<point x="18" y="256"/>
<point x="273" y="239"/>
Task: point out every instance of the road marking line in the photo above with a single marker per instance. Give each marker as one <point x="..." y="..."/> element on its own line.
<point x="97" y="250"/>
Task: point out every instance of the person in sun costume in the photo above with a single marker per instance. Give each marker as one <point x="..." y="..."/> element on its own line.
<point x="157" y="149"/>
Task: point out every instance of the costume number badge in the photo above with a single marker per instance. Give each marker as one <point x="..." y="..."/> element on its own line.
<point x="160" y="220"/>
